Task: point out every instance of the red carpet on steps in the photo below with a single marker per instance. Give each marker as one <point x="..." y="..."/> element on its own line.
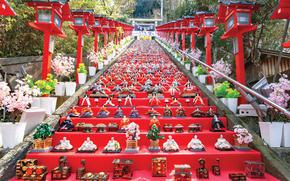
<point x="148" y="53"/>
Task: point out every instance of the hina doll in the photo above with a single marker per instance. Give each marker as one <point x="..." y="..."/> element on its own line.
<point x="86" y="113"/>
<point x="66" y="125"/>
<point x="119" y="113"/>
<point x="188" y="91"/>
<point x="170" y="145"/>
<point x="217" y="125"/>
<point x="152" y="112"/>
<point x="103" y="113"/>
<point x="74" y="113"/>
<point x="154" y="101"/>
<point x="112" y="146"/>
<point x="134" y="113"/>
<point x="109" y="102"/>
<point x="180" y="112"/>
<point x="195" y="145"/>
<point x="175" y="102"/>
<point x="167" y="111"/>
<point x="222" y="144"/>
<point x="198" y="100"/>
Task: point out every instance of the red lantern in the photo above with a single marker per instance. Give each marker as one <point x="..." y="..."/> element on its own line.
<point x="82" y="19"/>
<point x="206" y="23"/>
<point x="237" y="18"/>
<point x="190" y="27"/>
<point x="282" y="12"/>
<point x="49" y="17"/>
<point x="97" y="29"/>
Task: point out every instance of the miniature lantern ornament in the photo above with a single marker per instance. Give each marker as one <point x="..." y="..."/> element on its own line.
<point x="97" y="29"/>
<point x="49" y="18"/>
<point x="282" y="12"/>
<point x="81" y="21"/>
<point x="206" y="23"/>
<point x="5" y="9"/>
<point x="237" y="18"/>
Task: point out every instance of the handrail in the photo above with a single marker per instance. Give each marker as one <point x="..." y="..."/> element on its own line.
<point x="245" y="88"/>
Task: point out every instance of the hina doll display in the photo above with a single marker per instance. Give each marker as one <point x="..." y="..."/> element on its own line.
<point x="66" y="125"/>
<point x="134" y="113"/>
<point x="123" y="124"/>
<point x="103" y="113"/>
<point x="188" y="91"/>
<point x="88" y="146"/>
<point x="170" y="145"/>
<point x="152" y="112"/>
<point x="117" y="89"/>
<point x="175" y="102"/>
<point x="154" y="100"/>
<point x="74" y="113"/>
<point x="195" y="145"/>
<point x="217" y="125"/>
<point x="210" y="112"/>
<point x="180" y="112"/>
<point x="109" y="102"/>
<point x="132" y="135"/>
<point x="98" y="91"/>
<point x="198" y="113"/>
<point x="126" y="91"/>
<point x="222" y="144"/>
<point x="63" y="146"/>
<point x="119" y="113"/>
<point x="155" y="121"/>
<point x="112" y="146"/>
<point x="128" y="100"/>
<point x="173" y="89"/>
<point x="198" y="100"/>
<point x="167" y="111"/>
<point x="86" y="113"/>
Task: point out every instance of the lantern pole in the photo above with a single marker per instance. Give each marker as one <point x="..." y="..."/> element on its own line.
<point x="240" y="66"/>
<point x="208" y="49"/>
<point x="47" y="55"/>
<point x="192" y="41"/>
<point x="96" y="41"/>
<point x="183" y="41"/>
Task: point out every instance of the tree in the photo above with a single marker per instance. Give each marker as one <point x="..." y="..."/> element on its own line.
<point x="153" y="133"/>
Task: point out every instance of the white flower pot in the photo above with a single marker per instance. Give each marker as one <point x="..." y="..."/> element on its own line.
<point x="106" y="62"/>
<point x="35" y="102"/>
<point x="224" y="100"/>
<point x="232" y="104"/>
<point x="60" y="89"/>
<point x="70" y="88"/>
<point x="32" y="117"/>
<point x="92" y="71"/>
<point x="12" y="134"/>
<point x="48" y="104"/>
<point x="210" y="87"/>
<point x="82" y="78"/>
<point x="202" y="78"/>
<point x="100" y="65"/>
<point x="271" y="133"/>
<point x="187" y="66"/>
<point x="286" y="135"/>
<point x="194" y="70"/>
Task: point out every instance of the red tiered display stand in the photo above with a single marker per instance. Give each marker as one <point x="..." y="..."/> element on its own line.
<point x="5" y="9"/>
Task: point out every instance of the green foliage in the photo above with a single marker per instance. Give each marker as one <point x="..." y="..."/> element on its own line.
<point x="232" y="93"/>
<point x="43" y="131"/>
<point x="82" y="68"/>
<point x="153" y="133"/>
<point x="220" y="89"/>
<point x="46" y="86"/>
<point x="200" y="70"/>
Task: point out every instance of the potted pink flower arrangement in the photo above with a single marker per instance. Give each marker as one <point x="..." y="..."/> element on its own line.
<point x="223" y="67"/>
<point x="13" y="104"/>
<point x="275" y="131"/>
<point x="63" y="68"/>
<point x="242" y="138"/>
<point x="93" y="58"/>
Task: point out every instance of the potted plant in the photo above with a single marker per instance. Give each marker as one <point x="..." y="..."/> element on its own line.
<point x="13" y="104"/>
<point x="82" y="73"/>
<point x="42" y="138"/>
<point x="93" y="58"/>
<point x="100" y="61"/>
<point x="201" y="73"/>
<point x="63" y="67"/>
<point x="232" y="99"/>
<point x="276" y="128"/>
<point x="34" y="90"/>
<point x="47" y="87"/>
<point x="242" y="138"/>
<point x="105" y="56"/>
<point x="153" y="136"/>
<point x="220" y="91"/>
<point x="187" y="63"/>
